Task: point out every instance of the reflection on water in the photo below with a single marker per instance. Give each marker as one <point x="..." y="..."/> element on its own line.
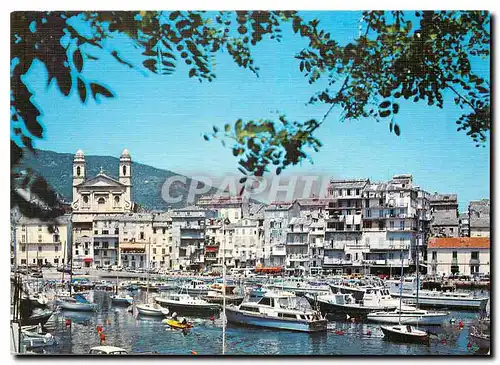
<point x="149" y="334"/>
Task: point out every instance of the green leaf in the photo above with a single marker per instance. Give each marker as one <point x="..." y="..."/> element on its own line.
<point x="384" y="104"/>
<point x="397" y="130"/>
<point x="99" y="89"/>
<point x="78" y="60"/>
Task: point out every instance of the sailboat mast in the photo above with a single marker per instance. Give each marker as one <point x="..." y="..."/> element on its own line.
<point x="418" y="254"/>
<point x="147" y="272"/>
<point x="224" y="287"/>
<point x="401" y="287"/>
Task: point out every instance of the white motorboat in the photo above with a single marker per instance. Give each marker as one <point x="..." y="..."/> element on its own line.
<point x="124" y="299"/>
<point x="277" y="310"/>
<point x="479" y="338"/>
<point x="408" y="315"/>
<point x="186" y="304"/>
<point x="107" y="350"/>
<point x="374" y="299"/>
<point x="405" y="333"/>
<point x="299" y="286"/>
<point x="152" y="310"/>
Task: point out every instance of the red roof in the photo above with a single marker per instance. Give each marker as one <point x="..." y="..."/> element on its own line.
<point x="459" y="242"/>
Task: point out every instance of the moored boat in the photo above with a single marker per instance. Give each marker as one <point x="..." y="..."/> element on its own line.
<point x="277" y="310"/>
<point x="151" y="309"/>
<point x="405" y="333"/>
<point x="124" y="299"/>
<point x="408" y="315"/>
<point x="186" y="304"/>
<point x="77" y="303"/>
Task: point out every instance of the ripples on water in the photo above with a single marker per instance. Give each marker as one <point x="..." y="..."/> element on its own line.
<point x="148" y="334"/>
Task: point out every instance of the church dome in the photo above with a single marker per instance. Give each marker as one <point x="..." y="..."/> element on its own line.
<point x="79" y="156"/>
<point x="125" y="153"/>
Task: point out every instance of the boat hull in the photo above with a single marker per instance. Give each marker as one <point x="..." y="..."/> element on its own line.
<point x="397" y="336"/>
<point x="37" y="318"/>
<point x="443" y="302"/>
<point x="482" y="342"/>
<point x="259" y="320"/>
<point x="150" y="312"/>
<point x="80" y="307"/>
<point x="393" y="318"/>
<point x="121" y="301"/>
<point x="178" y="325"/>
<point x="336" y="310"/>
<point x="182" y="308"/>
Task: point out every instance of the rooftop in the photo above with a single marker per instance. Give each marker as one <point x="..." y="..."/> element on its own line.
<point x="459" y="242"/>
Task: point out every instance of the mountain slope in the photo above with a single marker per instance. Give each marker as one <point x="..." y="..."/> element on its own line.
<point x="147" y="181"/>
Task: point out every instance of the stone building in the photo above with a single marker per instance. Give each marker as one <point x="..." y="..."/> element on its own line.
<point x="444" y="208"/>
<point x="479" y="218"/>
<point x="277" y="215"/>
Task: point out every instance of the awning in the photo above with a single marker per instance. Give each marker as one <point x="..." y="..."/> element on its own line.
<point x="87" y="259"/>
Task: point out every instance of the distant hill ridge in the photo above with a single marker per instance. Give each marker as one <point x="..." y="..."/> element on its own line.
<point x="147" y="181"/>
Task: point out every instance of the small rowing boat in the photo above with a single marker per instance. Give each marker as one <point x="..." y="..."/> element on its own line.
<point x="176" y="324"/>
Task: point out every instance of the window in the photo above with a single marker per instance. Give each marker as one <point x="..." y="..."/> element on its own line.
<point x="23" y="261"/>
<point x="348" y="192"/>
<point x="368" y="213"/>
<point x="86" y="252"/>
<point x="381" y="213"/>
<point x="39" y="238"/>
<point x="76" y="252"/>
<point x="39" y="248"/>
<point x="434" y="255"/>
<point x="154" y="251"/>
<point x="56" y="261"/>
<point x="154" y="230"/>
<point x="124" y="169"/>
<point x="56" y="248"/>
<point x="78" y="171"/>
<point x="101" y="200"/>
<point x="391" y="224"/>
<point x="23" y="238"/>
<point x="142" y="235"/>
<point x="454" y="254"/>
<point x="117" y="231"/>
<point x="117" y="199"/>
<point x="367" y="224"/>
<point x="23" y="248"/>
<point x="474" y="255"/>
<point x="401" y="194"/>
<point x="86" y="199"/>
<point x="96" y="231"/>
<point x="164" y="231"/>
<point x="357" y="191"/>
<point x="39" y="228"/>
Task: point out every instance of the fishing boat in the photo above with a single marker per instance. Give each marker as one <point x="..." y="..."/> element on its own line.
<point x="77" y="303"/>
<point x="408" y="315"/>
<point x="173" y="323"/>
<point x="404" y="333"/>
<point x="186" y="304"/>
<point x="121" y="298"/>
<point x="277" y="310"/>
<point x="340" y="304"/>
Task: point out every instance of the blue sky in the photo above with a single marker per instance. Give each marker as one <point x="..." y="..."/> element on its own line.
<point x="161" y="120"/>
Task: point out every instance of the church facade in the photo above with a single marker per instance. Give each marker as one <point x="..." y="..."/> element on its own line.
<point x="94" y="199"/>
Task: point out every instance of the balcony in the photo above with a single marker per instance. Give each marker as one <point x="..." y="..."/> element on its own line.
<point x="389" y="246"/>
<point x="336" y="261"/>
<point x="334" y="245"/>
<point x="278" y="251"/>
<point x="298" y="257"/>
<point x="317" y="244"/>
<point x="297" y="243"/>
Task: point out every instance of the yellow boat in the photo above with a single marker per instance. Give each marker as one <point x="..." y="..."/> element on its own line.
<point x="176" y="324"/>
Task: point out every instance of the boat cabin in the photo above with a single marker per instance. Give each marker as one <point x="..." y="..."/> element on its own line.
<point x="107" y="350"/>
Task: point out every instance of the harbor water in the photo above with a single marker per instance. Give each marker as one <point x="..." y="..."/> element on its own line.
<point x="76" y="333"/>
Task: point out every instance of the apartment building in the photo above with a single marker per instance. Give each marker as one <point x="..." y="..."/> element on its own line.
<point x="459" y="255"/>
<point x="41" y="243"/>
